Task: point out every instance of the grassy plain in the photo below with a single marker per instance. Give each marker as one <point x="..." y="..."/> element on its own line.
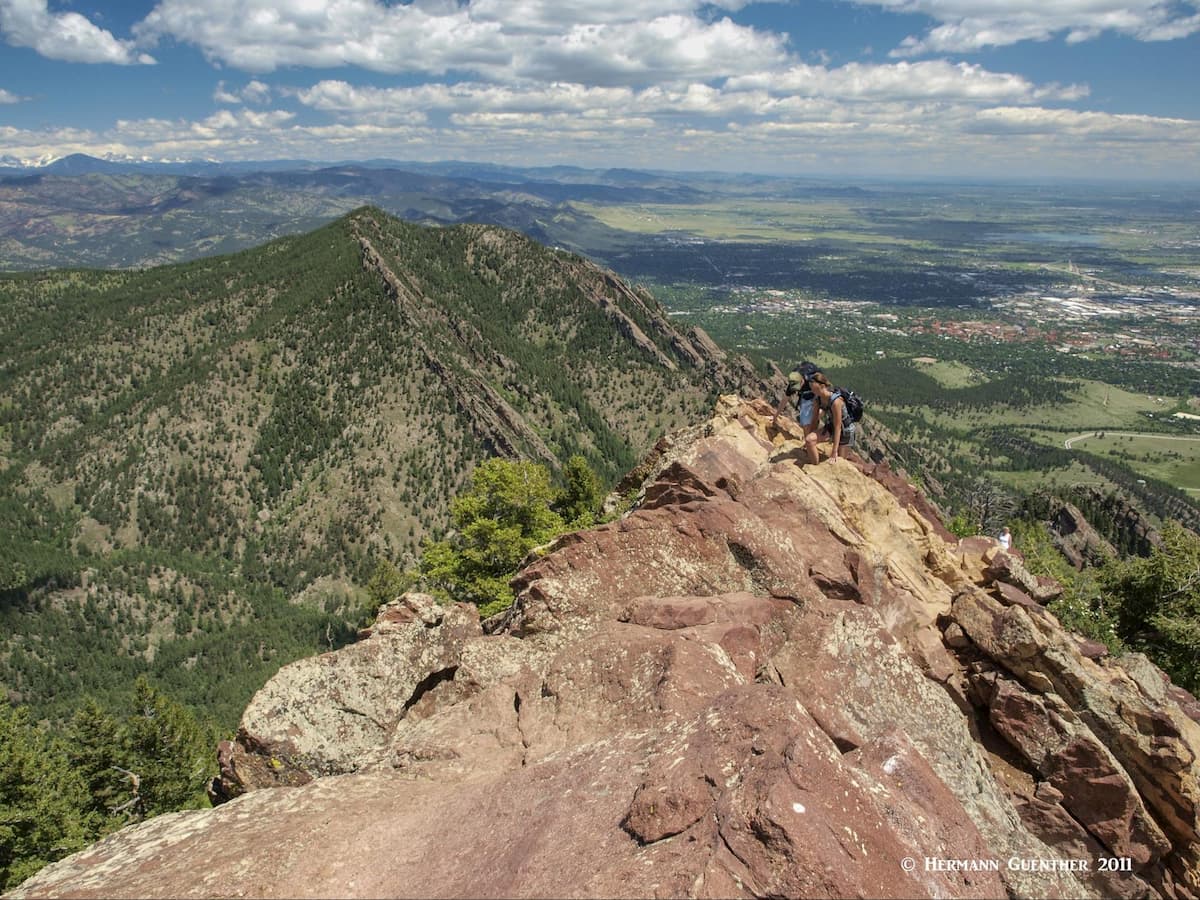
<point x="1098" y="402"/>
<point x="1174" y="459"/>
<point x="1092" y="406"/>
<point x="902" y="221"/>
<point x="1072" y="475"/>
<point x="1117" y="414"/>
<point x="829" y="360"/>
<point x="741" y="220"/>
<point x="948" y="373"/>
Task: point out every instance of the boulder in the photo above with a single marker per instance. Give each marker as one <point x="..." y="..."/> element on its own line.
<point x="329" y="714"/>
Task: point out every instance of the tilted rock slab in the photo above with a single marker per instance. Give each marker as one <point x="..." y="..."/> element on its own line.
<point x="414" y="644"/>
<point x="769" y="679"/>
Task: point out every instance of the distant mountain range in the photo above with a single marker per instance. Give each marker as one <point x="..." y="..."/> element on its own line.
<point x="554" y="180"/>
<point x="83" y="164"/>
<point x="80" y="211"/>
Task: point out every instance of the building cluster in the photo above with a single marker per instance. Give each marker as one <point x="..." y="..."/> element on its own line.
<point x="1153" y="325"/>
<point x="1126" y="325"/>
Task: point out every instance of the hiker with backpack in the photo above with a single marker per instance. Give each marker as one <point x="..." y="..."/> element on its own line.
<point x="799" y="393"/>
<point x="843" y="410"/>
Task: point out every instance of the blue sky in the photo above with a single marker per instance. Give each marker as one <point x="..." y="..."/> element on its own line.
<point x="1025" y="88"/>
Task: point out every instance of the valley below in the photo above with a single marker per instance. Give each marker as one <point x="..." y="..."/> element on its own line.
<point x="238" y="408"/>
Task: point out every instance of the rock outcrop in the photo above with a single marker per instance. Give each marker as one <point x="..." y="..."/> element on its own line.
<point x="768" y="679"/>
<point x="1075" y="538"/>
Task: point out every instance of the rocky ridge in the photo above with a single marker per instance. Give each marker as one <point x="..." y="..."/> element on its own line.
<point x="768" y="679"/>
<point x="468" y="368"/>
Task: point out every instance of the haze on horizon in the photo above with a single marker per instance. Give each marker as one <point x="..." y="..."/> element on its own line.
<point x="909" y="88"/>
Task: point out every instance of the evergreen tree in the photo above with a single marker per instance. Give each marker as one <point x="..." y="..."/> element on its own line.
<point x="42" y="800"/>
<point x="1159" y="603"/>
<point x="387" y="583"/>
<point x="502" y="516"/>
<point x="582" y="494"/>
<point x="168" y="755"/>
<point x="1082" y="607"/>
<point x="95" y="752"/>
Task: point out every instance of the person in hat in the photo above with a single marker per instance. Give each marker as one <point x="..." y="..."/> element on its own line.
<point x="799" y="394"/>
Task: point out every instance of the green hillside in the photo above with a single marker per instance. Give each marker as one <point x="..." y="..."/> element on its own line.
<point x="201" y="465"/>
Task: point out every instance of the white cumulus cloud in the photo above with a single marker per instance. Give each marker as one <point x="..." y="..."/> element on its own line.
<point x="971" y="25"/>
<point x="351" y="101"/>
<point x="557" y="16"/>
<point x="789" y="91"/>
<point x="9" y="97"/>
<point x="814" y="133"/>
<point x="1085" y="125"/>
<point x="596" y="41"/>
<point x="668" y="48"/>
<point x="65" y="36"/>
<point x="920" y="80"/>
<point x="253" y="91"/>
<point x="264" y="35"/>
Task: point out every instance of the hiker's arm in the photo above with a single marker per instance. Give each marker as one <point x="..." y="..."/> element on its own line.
<point x="838" y="405"/>
<point x="783" y="403"/>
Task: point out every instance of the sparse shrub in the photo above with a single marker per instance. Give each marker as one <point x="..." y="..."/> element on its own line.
<point x="961" y="526"/>
<point x="387" y="583"/>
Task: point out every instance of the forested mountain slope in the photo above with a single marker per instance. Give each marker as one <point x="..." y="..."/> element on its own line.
<point x="201" y="464"/>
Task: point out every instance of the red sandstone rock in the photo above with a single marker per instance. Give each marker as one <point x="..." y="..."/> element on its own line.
<point x="739" y="689"/>
<point x="1008" y="568"/>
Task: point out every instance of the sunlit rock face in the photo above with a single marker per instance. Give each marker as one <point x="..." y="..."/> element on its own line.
<point x="767" y="679"/>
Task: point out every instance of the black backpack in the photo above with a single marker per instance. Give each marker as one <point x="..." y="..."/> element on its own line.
<point x="852" y="408"/>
